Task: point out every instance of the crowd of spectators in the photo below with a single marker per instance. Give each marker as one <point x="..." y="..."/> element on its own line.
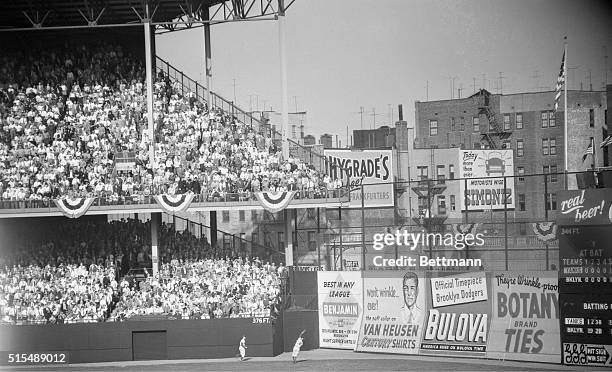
<point x="84" y="271"/>
<point x="66" y="111"/>
<point x="204" y="289"/>
<point x="65" y="293"/>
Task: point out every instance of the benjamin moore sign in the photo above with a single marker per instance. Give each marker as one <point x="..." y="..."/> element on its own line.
<point x="485" y="170"/>
<point x="372" y="168"/>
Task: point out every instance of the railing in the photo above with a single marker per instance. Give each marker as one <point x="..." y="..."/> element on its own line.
<point x="318" y="161"/>
<point x="229" y="199"/>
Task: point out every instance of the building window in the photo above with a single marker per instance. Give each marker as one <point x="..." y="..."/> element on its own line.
<point x="440" y="173"/>
<point x="544" y="118"/>
<point x="267" y="241"/>
<point x="520" y="148"/>
<point x="591" y="118"/>
<point x="441" y="204"/>
<point x="551" y="119"/>
<point x="522" y="228"/>
<point x="553" y="146"/>
<point x="553" y="173"/>
<point x="519" y="121"/>
<point x="312" y="241"/>
<point x="433" y="127"/>
<point x="451" y="171"/>
<point x="476" y="123"/>
<point x="506" y="144"/>
<point x="243" y="242"/>
<point x="462" y="123"/>
<point x="281" y="240"/>
<point x="453" y="124"/>
<point x="254" y="238"/>
<point x="422" y="173"/>
<point x="545" y="146"/>
<point x="225" y="215"/>
<point x="452" y="203"/>
<point x="477" y="145"/>
<point x="507" y="122"/>
<point x="423" y="205"/>
<point x="521" y="201"/>
<point x="521" y="173"/>
<point x="253" y="215"/>
<point x="241" y="215"/>
<point x="551" y="201"/>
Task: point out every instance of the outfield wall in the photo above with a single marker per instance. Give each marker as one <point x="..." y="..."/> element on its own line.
<point x="140" y="340"/>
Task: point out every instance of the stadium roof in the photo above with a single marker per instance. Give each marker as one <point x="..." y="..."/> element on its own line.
<point x="43" y="14"/>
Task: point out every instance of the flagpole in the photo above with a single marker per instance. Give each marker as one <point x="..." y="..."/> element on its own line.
<point x="594" y="155"/>
<point x="565" y="111"/>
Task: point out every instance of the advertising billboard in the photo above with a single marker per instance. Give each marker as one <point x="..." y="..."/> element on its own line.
<point x="394" y="307"/>
<point x="458" y="316"/>
<point x="525" y="317"/>
<point x="485" y="170"/>
<point x="371" y="168"/>
<point x="340" y="308"/>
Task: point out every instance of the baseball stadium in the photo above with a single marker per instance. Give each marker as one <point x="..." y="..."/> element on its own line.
<point x="147" y="222"/>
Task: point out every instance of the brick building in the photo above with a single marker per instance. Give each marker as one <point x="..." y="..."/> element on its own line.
<point x="526" y="123"/>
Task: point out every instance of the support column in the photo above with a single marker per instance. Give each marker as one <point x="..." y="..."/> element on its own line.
<point x="149" y="85"/>
<point x="288" y="238"/>
<point x="155" y="224"/>
<point x="283" y="78"/>
<point x="213" y="229"/>
<point x="207" y="56"/>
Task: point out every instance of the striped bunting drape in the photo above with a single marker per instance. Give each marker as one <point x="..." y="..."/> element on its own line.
<point x="274" y="202"/>
<point x="545" y="231"/>
<point x="73" y="207"/>
<point x="465" y="228"/>
<point x="174" y="203"/>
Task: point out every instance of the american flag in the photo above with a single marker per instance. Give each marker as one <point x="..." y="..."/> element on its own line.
<point x="560" y="82"/>
<point x="588" y="151"/>
<point x="606" y="142"/>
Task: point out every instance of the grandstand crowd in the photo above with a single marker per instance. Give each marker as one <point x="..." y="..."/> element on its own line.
<point x="67" y="110"/>
<point x="84" y="272"/>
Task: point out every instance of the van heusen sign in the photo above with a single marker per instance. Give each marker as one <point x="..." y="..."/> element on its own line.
<point x="585" y="207"/>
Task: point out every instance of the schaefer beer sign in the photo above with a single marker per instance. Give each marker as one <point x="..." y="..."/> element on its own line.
<point x="485" y="171"/>
<point x="371" y="168"/>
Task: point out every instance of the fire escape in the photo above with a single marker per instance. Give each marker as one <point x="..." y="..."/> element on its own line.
<point x="429" y="216"/>
<point x="496" y="133"/>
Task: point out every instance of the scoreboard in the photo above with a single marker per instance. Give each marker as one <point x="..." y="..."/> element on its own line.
<point x="585" y="276"/>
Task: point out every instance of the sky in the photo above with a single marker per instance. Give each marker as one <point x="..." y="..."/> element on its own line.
<point x="346" y="54"/>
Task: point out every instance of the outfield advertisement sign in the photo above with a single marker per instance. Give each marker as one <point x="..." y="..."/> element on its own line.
<point x="500" y="315"/>
<point x="525" y="317"/>
<point x="371" y="168"/>
<point x="340" y="308"/>
<point x="485" y="170"/>
<point x="394" y="306"/>
<point x="458" y="316"/>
